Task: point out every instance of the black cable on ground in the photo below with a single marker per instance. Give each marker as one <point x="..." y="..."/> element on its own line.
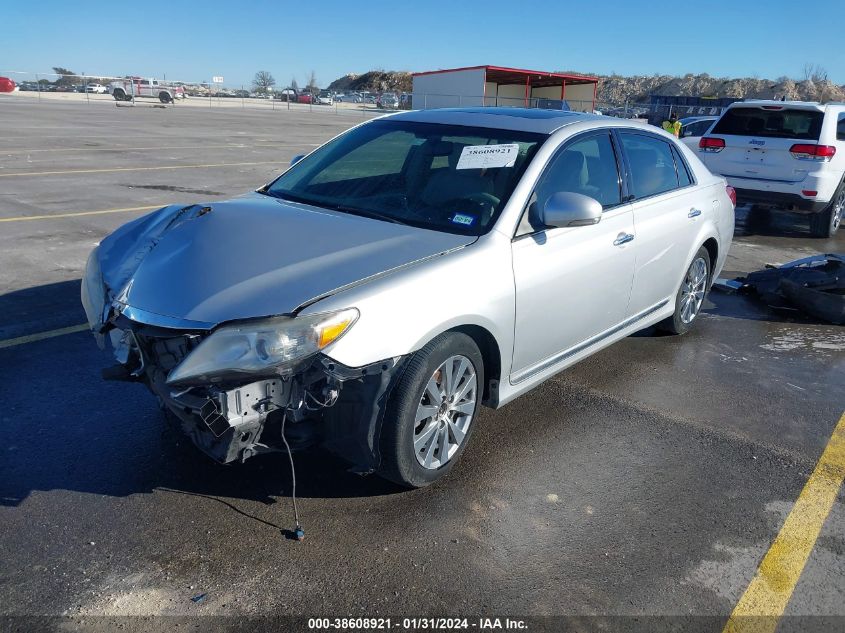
<point x="299" y="533"/>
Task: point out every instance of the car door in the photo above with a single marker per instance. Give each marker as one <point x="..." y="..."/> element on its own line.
<point x="666" y="209"/>
<point x="572" y="284"/>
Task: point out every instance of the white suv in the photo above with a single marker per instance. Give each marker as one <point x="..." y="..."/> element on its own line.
<point x="789" y="154"/>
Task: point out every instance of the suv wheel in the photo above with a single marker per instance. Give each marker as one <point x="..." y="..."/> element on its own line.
<point x="429" y="416"/>
<point x="690" y="295"/>
<point x="826" y="223"/>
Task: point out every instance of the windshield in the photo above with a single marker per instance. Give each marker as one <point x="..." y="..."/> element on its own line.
<point x="448" y="178"/>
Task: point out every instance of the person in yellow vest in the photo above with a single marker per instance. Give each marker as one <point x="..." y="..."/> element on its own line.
<point x="673" y="126"/>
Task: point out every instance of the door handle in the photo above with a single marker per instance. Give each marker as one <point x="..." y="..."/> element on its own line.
<point x="622" y="238"/>
<point x="694" y="213"/>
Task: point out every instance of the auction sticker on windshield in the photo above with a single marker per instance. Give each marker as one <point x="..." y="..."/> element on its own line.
<point x="483" y="156"/>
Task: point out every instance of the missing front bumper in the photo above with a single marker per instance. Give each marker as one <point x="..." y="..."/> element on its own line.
<point x="325" y="402"/>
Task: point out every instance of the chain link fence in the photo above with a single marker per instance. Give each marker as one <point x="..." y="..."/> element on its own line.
<point x="51" y="88"/>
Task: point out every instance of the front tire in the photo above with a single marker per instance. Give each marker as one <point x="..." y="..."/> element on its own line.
<point x="119" y="95"/>
<point x="690" y="295"/>
<point x="826" y="223"/>
<point x="430" y="413"/>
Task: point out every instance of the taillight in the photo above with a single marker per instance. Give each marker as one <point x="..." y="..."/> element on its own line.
<point x="709" y="144"/>
<point x="731" y="194"/>
<point x="806" y="151"/>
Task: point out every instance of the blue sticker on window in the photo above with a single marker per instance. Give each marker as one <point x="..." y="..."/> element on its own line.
<point x="461" y="218"/>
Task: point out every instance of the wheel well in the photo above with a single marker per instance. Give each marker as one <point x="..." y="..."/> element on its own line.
<point x="490" y="354"/>
<point x="712" y="248"/>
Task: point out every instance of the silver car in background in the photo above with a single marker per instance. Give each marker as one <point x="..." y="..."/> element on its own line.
<point x="417" y="266"/>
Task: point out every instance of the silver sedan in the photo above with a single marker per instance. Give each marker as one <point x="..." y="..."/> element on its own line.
<point x="384" y="287"/>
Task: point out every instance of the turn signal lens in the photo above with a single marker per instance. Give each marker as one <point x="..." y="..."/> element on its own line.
<point x="330" y="332"/>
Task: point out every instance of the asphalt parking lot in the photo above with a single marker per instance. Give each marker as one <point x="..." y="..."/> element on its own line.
<point x="649" y="480"/>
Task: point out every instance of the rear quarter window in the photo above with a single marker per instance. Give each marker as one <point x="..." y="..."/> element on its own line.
<point x="786" y="123"/>
<point x="684" y="177"/>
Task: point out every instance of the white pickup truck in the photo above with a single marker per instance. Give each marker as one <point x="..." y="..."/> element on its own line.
<point x="126" y="89"/>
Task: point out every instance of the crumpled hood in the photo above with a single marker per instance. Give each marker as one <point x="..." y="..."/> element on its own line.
<point x="253" y="256"/>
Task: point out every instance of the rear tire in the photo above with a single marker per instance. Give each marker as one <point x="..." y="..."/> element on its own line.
<point x="431" y="412"/>
<point x="826" y="223"/>
<point x="690" y="295"/>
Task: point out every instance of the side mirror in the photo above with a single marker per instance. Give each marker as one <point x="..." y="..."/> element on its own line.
<point x="570" y="209"/>
<point x="296" y="159"/>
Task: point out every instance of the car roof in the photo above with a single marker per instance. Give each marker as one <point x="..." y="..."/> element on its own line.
<point x="518" y="119"/>
<point x="692" y="119"/>
<point x="759" y="103"/>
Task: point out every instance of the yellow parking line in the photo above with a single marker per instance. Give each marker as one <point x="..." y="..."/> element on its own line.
<point x="765" y="599"/>
<point x="40" y="336"/>
<point x="24" y="218"/>
<point x="158" y="167"/>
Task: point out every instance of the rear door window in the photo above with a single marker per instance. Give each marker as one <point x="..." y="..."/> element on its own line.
<point x="840" y="128"/>
<point x="652" y="164"/>
<point x="781" y="123"/>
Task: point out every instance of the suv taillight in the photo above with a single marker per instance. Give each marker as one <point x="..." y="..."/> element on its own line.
<point x="731" y="194"/>
<point x="709" y="144"/>
<point x="806" y="151"/>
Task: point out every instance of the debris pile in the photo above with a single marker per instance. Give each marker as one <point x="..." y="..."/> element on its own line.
<point x="813" y="285"/>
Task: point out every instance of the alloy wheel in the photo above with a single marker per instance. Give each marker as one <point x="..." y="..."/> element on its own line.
<point x="693" y="289"/>
<point x="445" y="412"/>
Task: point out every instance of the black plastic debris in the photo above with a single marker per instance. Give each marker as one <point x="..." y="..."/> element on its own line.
<point x="813" y="285"/>
<point x="199" y="598"/>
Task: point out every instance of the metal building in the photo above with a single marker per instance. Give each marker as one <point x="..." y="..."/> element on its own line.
<point x="499" y="86"/>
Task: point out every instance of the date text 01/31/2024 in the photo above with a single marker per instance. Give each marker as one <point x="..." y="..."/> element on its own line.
<point x="414" y="624"/>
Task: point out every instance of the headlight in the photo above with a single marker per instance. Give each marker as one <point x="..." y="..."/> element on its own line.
<point x="262" y="346"/>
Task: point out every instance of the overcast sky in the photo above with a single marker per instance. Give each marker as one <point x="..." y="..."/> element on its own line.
<point x="194" y="41"/>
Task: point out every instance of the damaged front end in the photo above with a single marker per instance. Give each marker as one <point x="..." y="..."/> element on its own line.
<point x="232" y="417"/>
<point x="228" y="386"/>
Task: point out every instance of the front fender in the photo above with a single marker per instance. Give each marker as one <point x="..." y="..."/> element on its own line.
<point x="401" y="312"/>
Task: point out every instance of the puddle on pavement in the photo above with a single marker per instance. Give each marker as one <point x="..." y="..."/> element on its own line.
<point x="795" y="339"/>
